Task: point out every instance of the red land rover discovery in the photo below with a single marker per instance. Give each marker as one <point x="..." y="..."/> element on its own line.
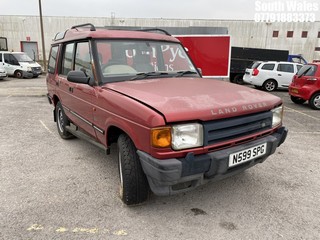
<point x="175" y="130"/>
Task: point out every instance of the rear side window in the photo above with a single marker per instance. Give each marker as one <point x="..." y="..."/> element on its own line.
<point x="308" y="70"/>
<point x="268" y="66"/>
<point x="285" y="68"/>
<point x="67" y="59"/>
<point x="254" y="65"/>
<point x="299" y="67"/>
<point x="52" y="59"/>
<point x="0" y="57"/>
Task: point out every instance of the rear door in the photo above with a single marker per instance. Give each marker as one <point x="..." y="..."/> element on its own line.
<point x="285" y="73"/>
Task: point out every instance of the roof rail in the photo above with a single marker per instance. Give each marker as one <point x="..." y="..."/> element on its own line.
<point x="154" y="30"/>
<point x="92" y="27"/>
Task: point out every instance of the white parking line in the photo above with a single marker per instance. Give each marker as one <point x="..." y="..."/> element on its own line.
<point x="302" y="113"/>
<point x="45" y="127"/>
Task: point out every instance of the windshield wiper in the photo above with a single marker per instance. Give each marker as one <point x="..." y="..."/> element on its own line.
<point x="181" y="73"/>
<point x="304" y="72"/>
<point x="143" y="75"/>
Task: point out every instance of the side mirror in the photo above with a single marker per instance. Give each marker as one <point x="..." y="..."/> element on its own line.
<point x="78" y="77"/>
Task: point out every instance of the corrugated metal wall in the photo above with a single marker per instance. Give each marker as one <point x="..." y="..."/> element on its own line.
<point x="243" y="33"/>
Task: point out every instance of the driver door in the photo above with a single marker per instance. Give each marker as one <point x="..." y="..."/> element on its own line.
<point x="77" y="98"/>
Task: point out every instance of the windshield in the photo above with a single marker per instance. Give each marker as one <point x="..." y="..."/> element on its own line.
<point x="22" y="57"/>
<point x="122" y="60"/>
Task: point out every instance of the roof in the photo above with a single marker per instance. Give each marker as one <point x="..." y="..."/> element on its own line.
<point x="81" y="32"/>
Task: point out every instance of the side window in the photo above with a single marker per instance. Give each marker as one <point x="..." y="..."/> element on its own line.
<point x="0" y="57"/>
<point x="268" y="66"/>
<point x="83" y="58"/>
<point x="299" y="67"/>
<point x="52" y="59"/>
<point x="285" y="68"/>
<point x="6" y="58"/>
<point x="67" y="59"/>
<point x="13" y="60"/>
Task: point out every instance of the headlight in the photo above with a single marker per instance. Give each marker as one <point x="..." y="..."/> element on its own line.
<point x="29" y="69"/>
<point x="277" y="116"/>
<point x="187" y="136"/>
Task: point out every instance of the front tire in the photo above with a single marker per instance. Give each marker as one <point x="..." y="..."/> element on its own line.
<point x="134" y="188"/>
<point x="314" y="101"/>
<point x="18" y="74"/>
<point x="270" y="85"/>
<point x="297" y="100"/>
<point x="62" y="122"/>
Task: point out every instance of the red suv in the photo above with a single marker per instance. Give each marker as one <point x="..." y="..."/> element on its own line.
<point x="174" y="129"/>
<point x="305" y="86"/>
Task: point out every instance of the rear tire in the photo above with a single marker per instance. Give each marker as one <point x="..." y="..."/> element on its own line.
<point x="62" y="122"/>
<point x="314" y="101"/>
<point x="238" y="79"/>
<point x="270" y="85"/>
<point x="134" y="188"/>
<point x="297" y="100"/>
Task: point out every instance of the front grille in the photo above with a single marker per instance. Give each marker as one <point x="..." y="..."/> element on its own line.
<point x="36" y="68"/>
<point x="227" y="129"/>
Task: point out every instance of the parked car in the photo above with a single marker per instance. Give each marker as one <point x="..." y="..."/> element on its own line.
<point x="305" y="86"/>
<point x="3" y="73"/>
<point x="19" y="65"/>
<point x="271" y="75"/>
<point x="174" y="129"/>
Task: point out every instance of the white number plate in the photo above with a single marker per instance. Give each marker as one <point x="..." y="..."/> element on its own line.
<point x="247" y="155"/>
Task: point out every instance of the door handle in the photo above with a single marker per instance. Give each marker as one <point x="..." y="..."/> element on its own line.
<point x="279" y="74"/>
<point x="71" y="89"/>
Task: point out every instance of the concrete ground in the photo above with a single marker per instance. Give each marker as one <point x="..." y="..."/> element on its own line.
<point x="68" y="189"/>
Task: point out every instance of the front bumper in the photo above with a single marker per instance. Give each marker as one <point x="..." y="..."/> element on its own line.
<point x="171" y="176"/>
<point x="26" y="74"/>
<point x="3" y="75"/>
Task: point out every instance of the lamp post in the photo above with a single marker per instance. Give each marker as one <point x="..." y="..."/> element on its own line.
<point x="42" y="38"/>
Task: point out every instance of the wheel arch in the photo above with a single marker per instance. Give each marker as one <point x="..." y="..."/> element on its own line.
<point x="271" y="79"/>
<point x="115" y="130"/>
<point x="113" y="133"/>
<point x="313" y="93"/>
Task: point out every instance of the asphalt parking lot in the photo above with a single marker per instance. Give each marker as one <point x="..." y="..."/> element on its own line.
<point x="68" y="189"/>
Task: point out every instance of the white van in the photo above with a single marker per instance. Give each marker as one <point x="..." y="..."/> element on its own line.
<point x="19" y="64"/>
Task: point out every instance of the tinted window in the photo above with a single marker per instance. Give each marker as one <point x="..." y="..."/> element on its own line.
<point x="83" y="58"/>
<point x="268" y="66"/>
<point x="308" y="70"/>
<point x="67" y="59"/>
<point x="12" y="60"/>
<point x="0" y="57"/>
<point x="52" y="59"/>
<point x="285" y="68"/>
<point x="6" y="58"/>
